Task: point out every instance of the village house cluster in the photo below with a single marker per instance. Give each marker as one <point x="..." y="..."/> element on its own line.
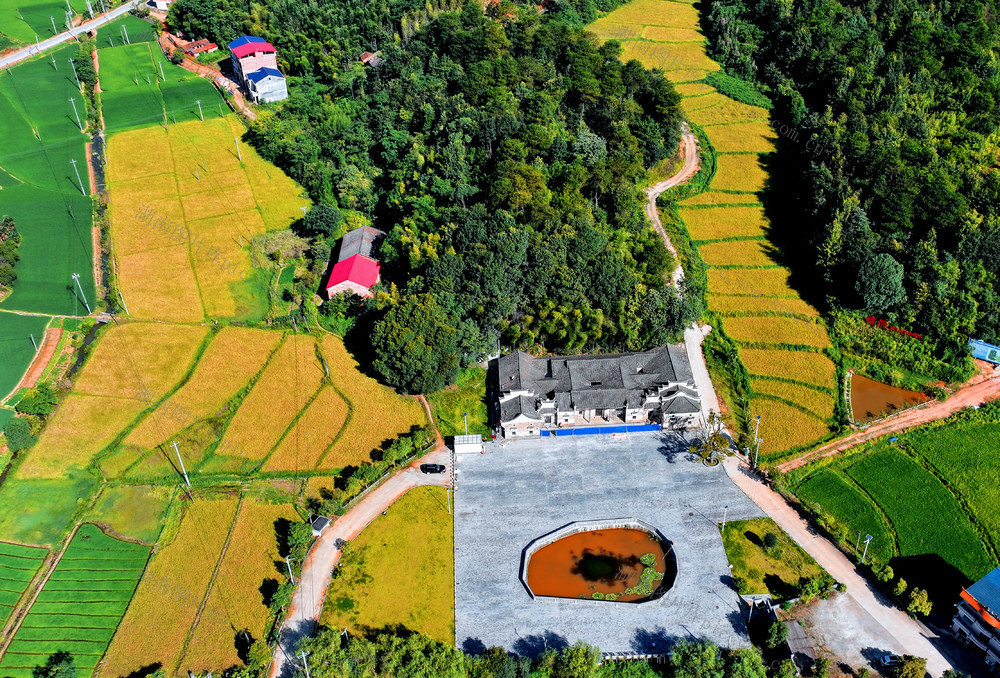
<point x="256" y="67"/>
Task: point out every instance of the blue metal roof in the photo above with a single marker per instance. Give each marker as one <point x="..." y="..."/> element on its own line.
<point x="264" y="72"/>
<point x="245" y="40"/>
<point x="986" y="591"/>
<point x="984" y="351"/>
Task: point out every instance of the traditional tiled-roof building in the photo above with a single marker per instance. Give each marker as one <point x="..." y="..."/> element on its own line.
<point x="628" y="388"/>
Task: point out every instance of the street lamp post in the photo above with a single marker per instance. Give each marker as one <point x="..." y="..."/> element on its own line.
<point x="288" y="564"/>
<point x="725" y="512"/>
<point x="868" y="539"/>
<point x="756" y="436"/>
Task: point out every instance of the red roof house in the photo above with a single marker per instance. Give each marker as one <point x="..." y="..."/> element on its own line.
<point x="356" y="269"/>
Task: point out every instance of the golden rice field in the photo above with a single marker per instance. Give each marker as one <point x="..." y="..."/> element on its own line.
<point x="187" y="269"/>
<point x="691" y="104"/>
<point x="750" y="137"/>
<point x="768" y="282"/>
<point x="651" y="13"/>
<point x="716" y="223"/>
<point x="777" y="330"/>
<point x="819" y="403"/>
<point x="287" y="384"/>
<point x="215" y="380"/>
<point x="82" y="426"/>
<point x="737" y="253"/>
<point x="728" y="111"/>
<point x="740" y="173"/>
<point x="235" y="602"/>
<point x="364" y="433"/>
<point x="784" y="427"/>
<point x="171" y="590"/>
<point x="667" y="34"/>
<point x="140" y="360"/>
<point x="693" y="89"/>
<point x="735" y="304"/>
<point x="716" y="198"/>
<point x="314" y="432"/>
<point x="804" y="366"/>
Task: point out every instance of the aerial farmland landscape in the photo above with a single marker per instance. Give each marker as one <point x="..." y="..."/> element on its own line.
<point x="582" y="339"/>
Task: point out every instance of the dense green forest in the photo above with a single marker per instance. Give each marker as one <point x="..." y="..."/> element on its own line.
<point x="502" y="152"/>
<point x="891" y="169"/>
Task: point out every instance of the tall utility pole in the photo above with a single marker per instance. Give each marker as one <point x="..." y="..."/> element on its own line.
<point x="75" y="112"/>
<point x="305" y="664"/>
<point x="163" y="77"/>
<point x="72" y="161"/>
<point x="200" y="115"/>
<point x="725" y="511"/>
<point x="53" y="20"/>
<point x="76" y="277"/>
<point x="90" y="10"/>
<point x="465" y="415"/>
<point x="123" y="302"/>
<point x="33" y="343"/>
<point x="183" y="470"/>
<point x="125" y="33"/>
<point x="868" y="540"/>
<point x="238" y="153"/>
<point x="756" y="436"/>
<point x="288" y="564"/>
<point x="73" y="66"/>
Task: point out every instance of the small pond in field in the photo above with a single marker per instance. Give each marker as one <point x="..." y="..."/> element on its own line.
<point x="871" y="400"/>
<point x="626" y="565"/>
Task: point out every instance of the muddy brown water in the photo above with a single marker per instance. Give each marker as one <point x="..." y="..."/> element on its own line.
<point x="598" y="560"/>
<point x="871" y="400"/>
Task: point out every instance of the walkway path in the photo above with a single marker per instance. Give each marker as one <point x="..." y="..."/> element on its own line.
<point x="983" y="387"/>
<point x="912" y="635"/>
<point x="42" y="357"/>
<point x="689" y="146"/>
<point x="93" y="24"/>
<point x="307" y="601"/>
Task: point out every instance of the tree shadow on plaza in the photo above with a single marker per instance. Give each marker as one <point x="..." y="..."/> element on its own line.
<point x="533" y="646"/>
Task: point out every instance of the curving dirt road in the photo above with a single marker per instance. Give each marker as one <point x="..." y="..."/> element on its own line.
<point x="984" y="387"/>
<point x="689" y="146"/>
<point x="307" y="602"/>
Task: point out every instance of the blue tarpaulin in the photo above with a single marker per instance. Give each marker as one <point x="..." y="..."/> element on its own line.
<point x="598" y="430"/>
<point x="984" y="351"/>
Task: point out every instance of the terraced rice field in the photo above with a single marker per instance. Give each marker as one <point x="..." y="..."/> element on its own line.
<point x="18" y="565"/>
<point x="729" y="226"/>
<point x="251" y="559"/>
<point x="80" y="605"/>
<point x="171" y="590"/>
<point x="818" y="402"/>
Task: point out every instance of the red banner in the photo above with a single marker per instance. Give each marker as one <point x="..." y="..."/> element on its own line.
<point x="875" y="322"/>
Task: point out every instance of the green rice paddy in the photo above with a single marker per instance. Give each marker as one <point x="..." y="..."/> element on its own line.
<point x="113" y="34"/>
<point x="81" y="604"/>
<point x="41" y="190"/>
<point x="16" y="349"/>
<point x="22" y="20"/>
<point x="142" y="88"/>
<point x="18" y="565"/>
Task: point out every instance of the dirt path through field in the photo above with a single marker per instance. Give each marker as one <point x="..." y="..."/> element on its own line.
<point x="689" y="147"/>
<point x="170" y="43"/>
<point x="317" y="570"/>
<point x="45" y="352"/>
<point x="983" y="387"/>
<point x="916" y="638"/>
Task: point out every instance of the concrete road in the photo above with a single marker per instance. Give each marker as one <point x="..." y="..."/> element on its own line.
<point x="909" y="634"/>
<point x="307" y="601"/>
<point x="48" y="43"/>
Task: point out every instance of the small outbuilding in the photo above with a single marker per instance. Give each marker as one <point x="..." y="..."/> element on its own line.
<point x="356" y="269"/>
<point x="371" y="58"/>
<point x="319" y="523"/>
<point x="198" y="46"/>
<point x="468" y="444"/>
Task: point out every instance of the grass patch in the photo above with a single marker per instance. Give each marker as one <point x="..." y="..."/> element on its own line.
<point x="134" y="511"/>
<point x="777" y="570"/>
<point x="39" y="511"/>
<point x="415" y="537"/>
<point x="468" y="394"/>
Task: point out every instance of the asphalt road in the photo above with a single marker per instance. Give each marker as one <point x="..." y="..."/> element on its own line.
<point x="55" y="40"/>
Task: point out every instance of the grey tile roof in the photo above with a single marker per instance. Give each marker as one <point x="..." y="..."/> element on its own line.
<point x="585" y="382"/>
<point x="681" y="405"/>
<point x="359" y="241"/>
<point x="509" y="409"/>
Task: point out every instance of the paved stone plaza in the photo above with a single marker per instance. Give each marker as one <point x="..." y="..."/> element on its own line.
<point x="521" y="490"/>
